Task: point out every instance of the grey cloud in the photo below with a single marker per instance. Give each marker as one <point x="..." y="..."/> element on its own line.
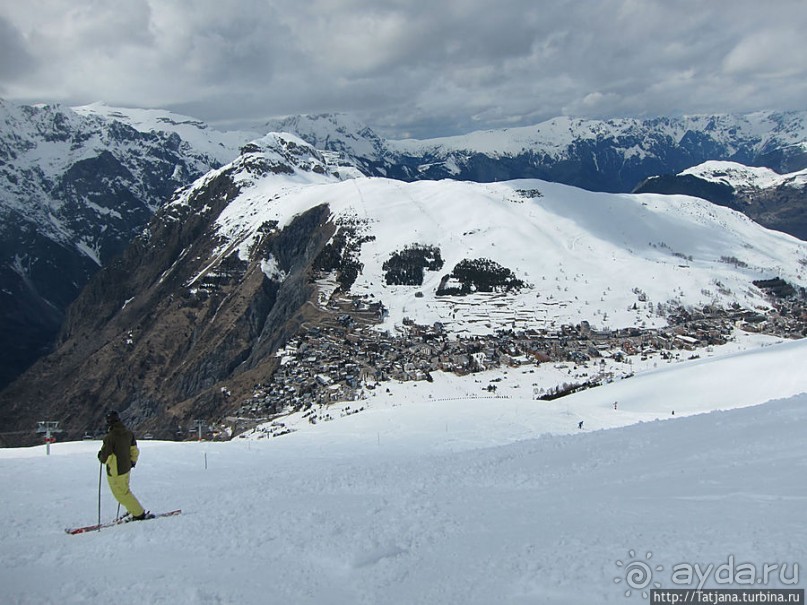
<point x="15" y="60"/>
<point x="417" y="66"/>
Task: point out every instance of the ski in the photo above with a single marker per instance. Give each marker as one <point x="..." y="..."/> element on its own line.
<point x="96" y="527"/>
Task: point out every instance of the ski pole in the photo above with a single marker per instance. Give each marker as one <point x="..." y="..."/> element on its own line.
<point x="100" y="471"/>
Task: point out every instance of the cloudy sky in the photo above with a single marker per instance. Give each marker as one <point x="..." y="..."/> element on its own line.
<point x="416" y="68"/>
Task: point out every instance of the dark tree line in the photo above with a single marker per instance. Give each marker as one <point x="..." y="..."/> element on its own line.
<point x="406" y="267"/>
<point x="479" y="275"/>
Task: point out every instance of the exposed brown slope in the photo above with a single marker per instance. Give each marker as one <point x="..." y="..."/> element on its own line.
<point x="158" y="333"/>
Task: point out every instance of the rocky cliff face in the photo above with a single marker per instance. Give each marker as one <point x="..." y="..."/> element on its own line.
<point x="76" y="188"/>
<point x="159" y="329"/>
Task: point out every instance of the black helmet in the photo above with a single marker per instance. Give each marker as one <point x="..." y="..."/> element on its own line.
<point x="112" y="417"/>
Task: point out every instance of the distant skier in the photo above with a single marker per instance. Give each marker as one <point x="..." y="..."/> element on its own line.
<point x="615" y="404"/>
<point x="119" y="453"/>
<point x="580" y="424"/>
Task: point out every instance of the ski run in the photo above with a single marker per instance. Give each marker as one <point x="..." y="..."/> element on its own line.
<point x="440" y="495"/>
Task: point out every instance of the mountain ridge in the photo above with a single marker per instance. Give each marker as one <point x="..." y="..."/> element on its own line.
<point x="602" y="155"/>
<point x="82" y="182"/>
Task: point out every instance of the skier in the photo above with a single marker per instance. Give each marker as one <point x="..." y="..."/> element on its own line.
<point x="580" y="424"/>
<point x="120" y="452"/>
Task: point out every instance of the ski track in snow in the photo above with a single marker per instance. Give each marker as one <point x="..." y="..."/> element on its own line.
<point x="436" y="502"/>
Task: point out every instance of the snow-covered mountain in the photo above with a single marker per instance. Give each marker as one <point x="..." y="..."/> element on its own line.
<point x="281" y="281"/>
<point x="81" y="182"/>
<point x="777" y="201"/>
<point x="77" y="185"/>
<point x="739" y="177"/>
<point x="599" y="155"/>
<point x="342" y="134"/>
<point x="210" y="146"/>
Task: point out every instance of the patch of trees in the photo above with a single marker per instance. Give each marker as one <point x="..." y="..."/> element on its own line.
<point x="733" y="260"/>
<point x="406" y="267"/>
<point x="478" y="275"/>
<point x="567" y="389"/>
<point x="341" y="255"/>
<point x="529" y="193"/>
<point x="778" y="288"/>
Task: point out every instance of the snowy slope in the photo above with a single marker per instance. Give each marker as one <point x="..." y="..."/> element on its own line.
<point x="508" y="504"/>
<point x="611" y="259"/>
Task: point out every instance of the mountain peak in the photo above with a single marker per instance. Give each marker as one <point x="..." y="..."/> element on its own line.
<point x="337" y="132"/>
<point x="282" y="153"/>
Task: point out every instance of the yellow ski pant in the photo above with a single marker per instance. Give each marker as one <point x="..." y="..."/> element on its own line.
<point x="119" y="485"/>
